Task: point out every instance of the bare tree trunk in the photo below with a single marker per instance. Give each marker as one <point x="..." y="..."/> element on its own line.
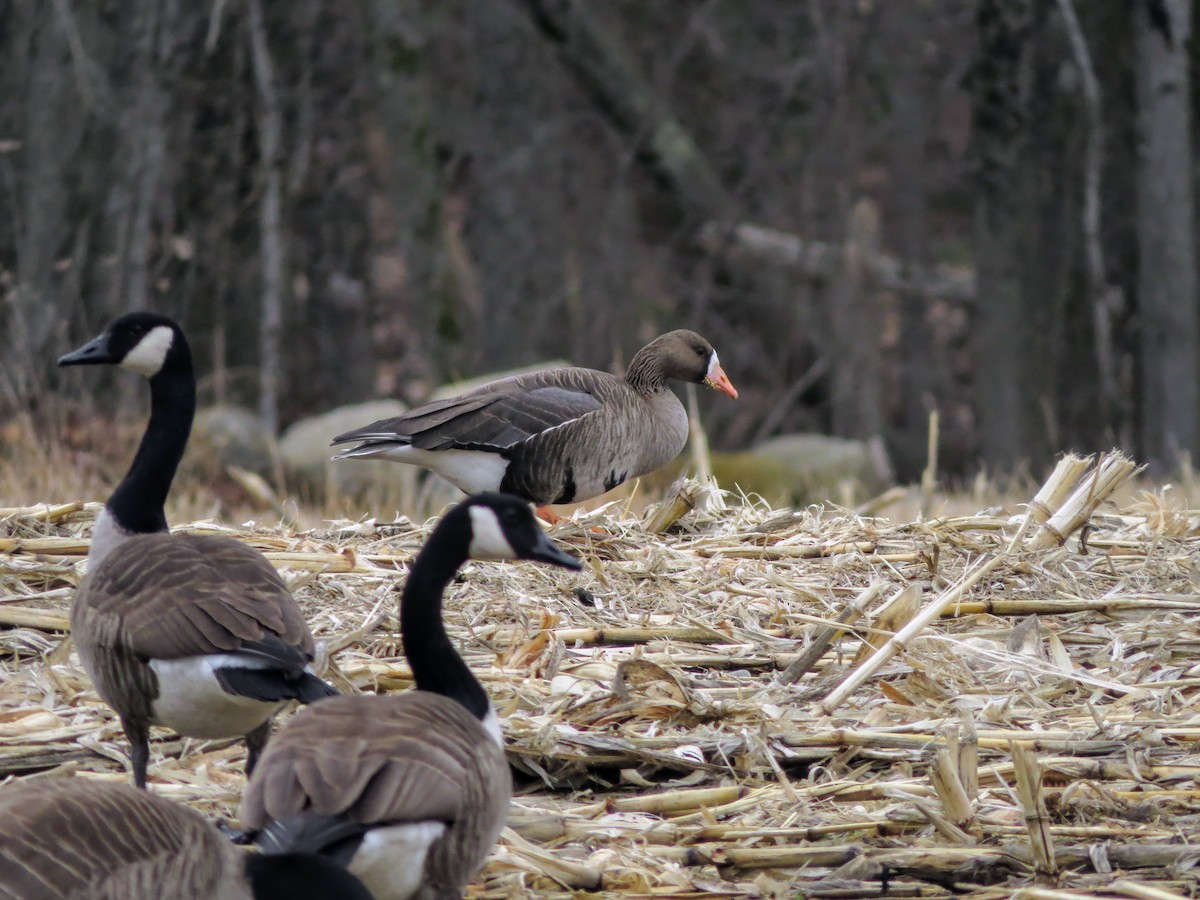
<point x="271" y="236"/>
<point x="857" y="402"/>
<point x="1166" y="232"/>
<point x="921" y="372"/>
<point x="53" y="126"/>
<point x="1006" y="415"/>
<point x="623" y="94"/>
<point x="1104" y="298"/>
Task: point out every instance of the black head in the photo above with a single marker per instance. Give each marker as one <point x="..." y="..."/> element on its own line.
<point x="502" y="526"/>
<point x="292" y="875"/>
<point x="687" y="356"/>
<point x="143" y="342"/>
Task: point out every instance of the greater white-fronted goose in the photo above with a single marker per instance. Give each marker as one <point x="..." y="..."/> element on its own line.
<point x="408" y="791"/>
<point x="195" y="632"/>
<point x="66" y="838"/>
<point x="555" y="436"/>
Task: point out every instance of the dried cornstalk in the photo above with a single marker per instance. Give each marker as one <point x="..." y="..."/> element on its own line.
<point x="1058" y="486"/>
<point x="894" y="615"/>
<point x="956" y="804"/>
<point x="968" y="755"/>
<point x="46" y="513"/>
<point x="685" y="496"/>
<point x="827" y="634"/>
<point x="1097" y="486"/>
<point x="898" y="641"/>
<point x="1143" y="891"/>
<point x="565" y="871"/>
<point x="1033" y="804"/>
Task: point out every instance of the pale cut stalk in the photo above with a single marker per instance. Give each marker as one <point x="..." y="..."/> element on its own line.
<point x="968" y="755"/>
<point x="929" y="475"/>
<point x="1033" y="804"/>
<point x="956" y="804"/>
<point x="685" y="497"/>
<point x="1097" y="486"/>
<point x="934" y="610"/>
<point x="827" y="634"/>
<point x="566" y="872"/>
<point x="894" y="615"/>
<point x="1108" y="475"/>
<point x="944" y="826"/>
<point x="1058" y="486"/>
<point x="1144" y="891"/>
<point x="712" y="499"/>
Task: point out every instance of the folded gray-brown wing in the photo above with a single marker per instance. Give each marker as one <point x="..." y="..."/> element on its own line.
<point x="72" y="838"/>
<point x="375" y="759"/>
<point x="184" y="595"/>
<point x="497" y="415"/>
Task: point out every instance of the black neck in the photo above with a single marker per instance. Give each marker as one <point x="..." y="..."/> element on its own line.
<point x="645" y="374"/>
<point x="138" y="503"/>
<point x="436" y="665"/>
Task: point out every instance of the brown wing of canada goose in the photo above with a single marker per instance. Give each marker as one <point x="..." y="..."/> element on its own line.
<point x="386" y="759"/>
<point x="71" y="838"/>
<point x="173" y="596"/>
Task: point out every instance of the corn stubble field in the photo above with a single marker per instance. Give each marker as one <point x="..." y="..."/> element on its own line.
<point x="754" y="702"/>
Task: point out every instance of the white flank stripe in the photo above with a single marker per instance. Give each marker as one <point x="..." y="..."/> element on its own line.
<point x="192" y="702"/>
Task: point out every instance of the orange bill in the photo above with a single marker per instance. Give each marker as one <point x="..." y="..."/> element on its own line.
<point x="720" y="381"/>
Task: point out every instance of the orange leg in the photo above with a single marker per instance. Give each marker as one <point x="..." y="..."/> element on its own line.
<point x="546" y="515"/>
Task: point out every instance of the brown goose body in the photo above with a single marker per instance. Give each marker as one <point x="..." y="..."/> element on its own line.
<point x="427" y="783"/>
<point x="555" y="436"/>
<point x="183" y="607"/>
<point x="197" y="633"/>
<point x="71" y="838"/>
<point x="408" y="792"/>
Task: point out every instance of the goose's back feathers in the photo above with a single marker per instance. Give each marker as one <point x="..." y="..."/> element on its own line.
<point x="195" y="632"/>
<point x="64" y="838"/>
<point x="410" y="792"/>
<point x="165" y="596"/>
<point x="384" y="759"/>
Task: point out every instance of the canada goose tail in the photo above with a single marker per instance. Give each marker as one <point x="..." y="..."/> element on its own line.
<point x="335" y="837"/>
<point x="272" y="685"/>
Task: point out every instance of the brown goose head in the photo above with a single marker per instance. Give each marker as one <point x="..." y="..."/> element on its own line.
<point x="680" y="354"/>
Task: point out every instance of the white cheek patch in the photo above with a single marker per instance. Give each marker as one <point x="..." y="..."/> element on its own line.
<point x="487" y="537"/>
<point x="714" y="365"/>
<point x="148" y="354"/>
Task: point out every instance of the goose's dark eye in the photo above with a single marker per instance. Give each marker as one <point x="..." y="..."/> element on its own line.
<point x="699" y="351"/>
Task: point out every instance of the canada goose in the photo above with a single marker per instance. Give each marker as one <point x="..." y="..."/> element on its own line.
<point x="409" y="791"/>
<point x="87" y="840"/>
<point x="555" y="436"/>
<point x="195" y="632"/>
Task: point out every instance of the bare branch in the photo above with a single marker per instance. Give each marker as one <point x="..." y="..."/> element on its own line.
<point x="1105" y="298"/>
<point x="271" y="240"/>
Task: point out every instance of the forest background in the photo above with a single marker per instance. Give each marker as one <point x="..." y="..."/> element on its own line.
<point x="872" y="209"/>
